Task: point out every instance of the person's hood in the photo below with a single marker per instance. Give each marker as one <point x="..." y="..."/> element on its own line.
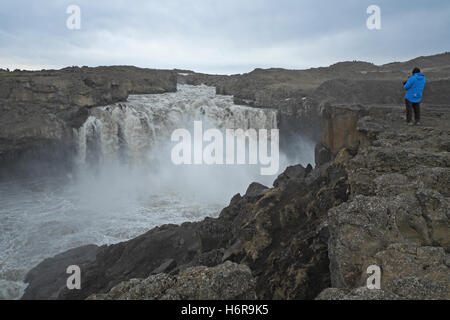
<point x="419" y="76"/>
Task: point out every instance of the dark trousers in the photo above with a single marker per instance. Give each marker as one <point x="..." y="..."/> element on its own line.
<point x="410" y="106"/>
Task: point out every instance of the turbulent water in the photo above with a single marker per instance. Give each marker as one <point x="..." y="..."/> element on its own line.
<point x="125" y="183"/>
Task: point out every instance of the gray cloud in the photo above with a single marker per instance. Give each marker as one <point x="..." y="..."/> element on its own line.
<point x="218" y="36"/>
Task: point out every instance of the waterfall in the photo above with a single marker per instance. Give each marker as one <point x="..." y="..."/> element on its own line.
<point x="128" y="132"/>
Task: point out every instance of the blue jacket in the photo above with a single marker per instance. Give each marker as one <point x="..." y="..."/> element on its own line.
<point x="414" y="87"/>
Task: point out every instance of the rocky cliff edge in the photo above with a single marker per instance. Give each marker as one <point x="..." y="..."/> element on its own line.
<point x="379" y="195"/>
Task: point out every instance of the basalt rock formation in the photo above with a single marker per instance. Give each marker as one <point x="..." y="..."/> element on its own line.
<point x="378" y="195"/>
<point x="227" y="281"/>
<point x="397" y="215"/>
<point x="300" y="95"/>
<point x="280" y="234"/>
<point x="40" y="109"/>
<point x="266" y="87"/>
<point x="383" y="200"/>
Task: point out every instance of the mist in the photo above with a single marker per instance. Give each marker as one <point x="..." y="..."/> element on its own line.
<point x="123" y="182"/>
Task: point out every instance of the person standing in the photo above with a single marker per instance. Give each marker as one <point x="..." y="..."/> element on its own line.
<point x="414" y="90"/>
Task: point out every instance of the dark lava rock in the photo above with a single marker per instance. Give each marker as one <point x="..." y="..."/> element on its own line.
<point x="322" y="154"/>
<point x="227" y="281"/>
<point x="279" y="233"/>
<point x="41" y="278"/>
<point x="40" y="109"/>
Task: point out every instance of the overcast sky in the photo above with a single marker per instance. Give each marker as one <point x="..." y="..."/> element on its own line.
<point x="227" y="36"/>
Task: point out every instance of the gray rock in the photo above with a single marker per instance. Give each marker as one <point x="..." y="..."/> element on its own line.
<point x="40" y="109"/>
<point x="228" y="281"/>
<point x="256" y="190"/>
<point x="392" y="178"/>
<point x="322" y="154"/>
<point x="414" y="288"/>
<point x="361" y="293"/>
<point x="292" y="174"/>
<point x="398" y="213"/>
<point x="42" y="277"/>
<point x="165" y="267"/>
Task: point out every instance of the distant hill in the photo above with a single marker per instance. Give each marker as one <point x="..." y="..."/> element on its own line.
<point x="276" y="81"/>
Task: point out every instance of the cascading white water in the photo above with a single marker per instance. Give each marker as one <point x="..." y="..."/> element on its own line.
<point x="132" y="130"/>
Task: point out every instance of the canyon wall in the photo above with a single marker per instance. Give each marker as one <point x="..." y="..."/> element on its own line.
<point x="397" y="215"/>
<point x="382" y="200"/>
<point x="40" y="109"/>
<point x="302" y="95"/>
<point x="377" y="196"/>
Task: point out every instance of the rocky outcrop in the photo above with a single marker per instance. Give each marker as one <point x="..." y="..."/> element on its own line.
<point x="339" y="127"/>
<point x="382" y="199"/>
<point x="279" y="233"/>
<point x="379" y="195"/>
<point x="362" y="293"/>
<point x="350" y="82"/>
<point x="227" y="281"/>
<point x="397" y="216"/>
<point x="40" y="109"/>
<point x="300" y="95"/>
<point x="43" y="286"/>
<point x="404" y="289"/>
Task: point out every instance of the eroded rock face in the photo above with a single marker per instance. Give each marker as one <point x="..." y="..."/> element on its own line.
<point x="378" y="195"/>
<point x="345" y="82"/>
<point x="40" y="109"/>
<point x="383" y="200"/>
<point x="280" y="233"/>
<point x="227" y="281"/>
<point x="283" y="236"/>
<point x="398" y="213"/>
<point x="356" y="294"/>
<point x="339" y="126"/>
<point x="400" y="289"/>
<point x="300" y="95"/>
<point x="42" y="277"/>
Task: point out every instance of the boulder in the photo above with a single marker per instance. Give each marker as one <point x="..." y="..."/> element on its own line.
<point x="227" y="281"/>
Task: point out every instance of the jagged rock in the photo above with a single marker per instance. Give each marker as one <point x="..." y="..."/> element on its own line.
<point x="322" y="154"/>
<point x="232" y="251"/>
<point x="397" y="216"/>
<point x="166" y="266"/>
<point x="420" y="289"/>
<point x="411" y="288"/>
<point x="41" y="278"/>
<point x="291" y="174"/>
<point x="339" y="126"/>
<point x="388" y="206"/>
<point x="362" y="230"/>
<point x="280" y="233"/>
<point x="383" y="200"/>
<point x="300" y="95"/>
<point x="256" y="190"/>
<point x="136" y="258"/>
<point x="228" y="281"/>
<point x="343" y="157"/>
<point x="398" y="159"/>
<point x="40" y="109"/>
